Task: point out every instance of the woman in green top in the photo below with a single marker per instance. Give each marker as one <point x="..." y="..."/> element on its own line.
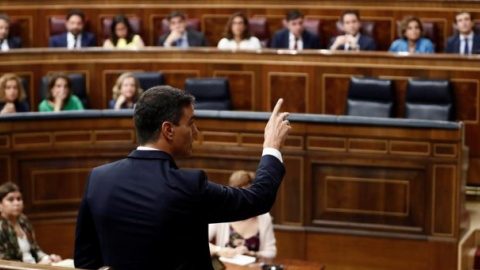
<point x="59" y="96"/>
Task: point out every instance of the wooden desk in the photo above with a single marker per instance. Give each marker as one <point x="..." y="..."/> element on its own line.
<point x="387" y="192"/>
<point x="287" y="265"/>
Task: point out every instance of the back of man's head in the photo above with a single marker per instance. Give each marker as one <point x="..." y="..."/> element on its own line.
<point x="293" y="15"/>
<point x="157" y="105"/>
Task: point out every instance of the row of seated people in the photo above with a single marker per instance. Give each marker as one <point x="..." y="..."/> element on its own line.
<point x="374" y="97"/>
<point x="123" y="32"/>
<point x="65" y="92"/>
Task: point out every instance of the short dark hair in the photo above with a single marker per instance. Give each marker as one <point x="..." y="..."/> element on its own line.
<point x="349" y="11"/>
<point x="52" y="82"/>
<point x="228" y="30"/>
<point x="174" y="14"/>
<point x="5" y="17"/>
<point x="293" y="15"/>
<point x="76" y="12"/>
<point x="461" y="12"/>
<point x="6" y="188"/>
<point x="157" y="105"/>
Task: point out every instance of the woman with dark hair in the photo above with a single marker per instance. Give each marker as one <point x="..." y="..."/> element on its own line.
<point x="60" y="96"/>
<point x="12" y="94"/>
<point x="17" y="238"/>
<point x="122" y="35"/>
<point x="253" y="236"/>
<point x="411" y="40"/>
<point x="237" y="34"/>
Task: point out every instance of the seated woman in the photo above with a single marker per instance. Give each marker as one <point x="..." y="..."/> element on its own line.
<point x="411" y="31"/>
<point x="60" y="96"/>
<point x="12" y="94"/>
<point x="237" y="34"/>
<point x="18" y="238"/>
<point x="122" y="35"/>
<point x="252" y="237"/>
<point x="125" y="92"/>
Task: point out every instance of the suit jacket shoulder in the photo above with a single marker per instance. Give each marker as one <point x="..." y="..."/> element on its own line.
<point x="59" y="40"/>
<point x="14" y="42"/>
<point x="280" y="39"/>
<point x="453" y="44"/>
<point x="196" y="39"/>
<point x="367" y="43"/>
<point x="310" y="40"/>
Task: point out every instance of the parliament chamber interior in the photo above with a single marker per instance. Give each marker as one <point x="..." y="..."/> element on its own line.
<point x="383" y="160"/>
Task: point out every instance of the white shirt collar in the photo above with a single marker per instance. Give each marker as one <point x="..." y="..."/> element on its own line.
<point x="146" y="148"/>
<point x="71" y="40"/>
<point x="469" y="37"/>
<point x="4" y="46"/>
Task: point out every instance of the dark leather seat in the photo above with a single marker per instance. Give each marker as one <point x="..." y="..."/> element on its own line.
<point x="135" y="23"/>
<point x="56" y="25"/>
<point x="79" y="87"/>
<point x="148" y="80"/>
<point x="370" y="97"/>
<point x="210" y="93"/>
<point x="26" y="86"/>
<point x="259" y="28"/>
<point x="429" y="99"/>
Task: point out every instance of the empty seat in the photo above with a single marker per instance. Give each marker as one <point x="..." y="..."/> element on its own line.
<point x="148" y="80"/>
<point x="79" y="87"/>
<point x="259" y="28"/>
<point x="210" y="93"/>
<point x="135" y="23"/>
<point x="429" y="99"/>
<point x="370" y="97"/>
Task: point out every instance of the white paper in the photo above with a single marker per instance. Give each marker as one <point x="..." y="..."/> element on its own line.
<point x="65" y="263"/>
<point x="239" y="259"/>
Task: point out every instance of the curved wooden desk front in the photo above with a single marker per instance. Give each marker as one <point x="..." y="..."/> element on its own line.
<point x="351" y="182"/>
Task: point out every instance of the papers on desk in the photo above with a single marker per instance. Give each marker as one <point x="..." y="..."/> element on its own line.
<point x="65" y="263"/>
<point x="239" y="259"/>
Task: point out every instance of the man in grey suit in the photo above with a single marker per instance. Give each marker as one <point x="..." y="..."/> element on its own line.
<point x="179" y="35"/>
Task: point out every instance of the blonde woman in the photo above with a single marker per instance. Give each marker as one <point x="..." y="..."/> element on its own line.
<point x="125" y="92"/>
<point x="12" y="94"/>
<point x="253" y="236"/>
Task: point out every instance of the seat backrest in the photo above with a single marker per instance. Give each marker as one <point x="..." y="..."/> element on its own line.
<point x="259" y="28"/>
<point x="148" y="80"/>
<point x="429" y="99"/>
<point x="192" y="24"/>
<point x="79" y="87"/>
<point x="370" y="97"/>
<point x="26" y="86"/>
<point x="314" y="26"/>
<point x="368" y="28"/>
<point x="135" y="23"/>
<point x="56" y="25"/>
<point x="210" y="93"/>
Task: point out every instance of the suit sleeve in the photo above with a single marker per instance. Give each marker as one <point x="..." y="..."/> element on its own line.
<point x="51" y="42"/>
<point x="449" y="48"/>
<point x="371" y="45"/>
<point x="87" y="245"/>
<point x="93" y="41"/>
<point x="315" y="42"/>
<point x="225" y="204"/>
<point x="161" y="40"/>
<point x="274" y="41"/>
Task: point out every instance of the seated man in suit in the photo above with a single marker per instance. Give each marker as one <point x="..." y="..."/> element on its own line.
<point x="6" y="41"/>
<point x="142" y="212"/>
<point x="466" y="41"/>
<point x="295" y="37"/>
<point x="75" y="37"/>
<point x="352" y="39"/>
<point x="179" y="35"/>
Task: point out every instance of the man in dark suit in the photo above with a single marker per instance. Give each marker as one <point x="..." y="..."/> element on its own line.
<point x="295" y="37"/>
<point x="6" y="41"/>
<point x="352" y="39"/>
<point x="143" y="212"/>
<point x="179" y="35"/>
<point x="75" y="37"/>
<point x="466" y="41"/>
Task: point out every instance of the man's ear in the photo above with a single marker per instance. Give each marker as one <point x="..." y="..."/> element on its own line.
<point x="167" y="130"/>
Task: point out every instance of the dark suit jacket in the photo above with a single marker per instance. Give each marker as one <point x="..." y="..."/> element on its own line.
<point x="280" y="40"/>
<point x="366" y="43"/>
<point x="453" y="44"/>
<point x="142" y="212"/>
<point x="14" y="42"/>
<point x="195" y="39"/>
<point x="88" y="40"/>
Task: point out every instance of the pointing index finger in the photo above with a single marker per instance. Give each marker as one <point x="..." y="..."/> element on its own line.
<point x="277" y="107"/>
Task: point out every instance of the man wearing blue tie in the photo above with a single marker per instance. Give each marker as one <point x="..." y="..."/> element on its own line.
<point x="466" y="41"/>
